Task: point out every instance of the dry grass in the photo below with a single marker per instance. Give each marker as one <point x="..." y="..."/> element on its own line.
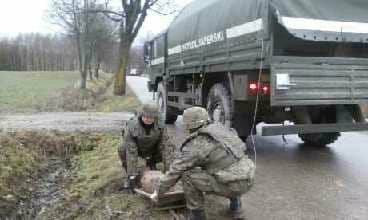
<point x="110" y="103"/>
<point x="22" y="156"/>
<point x="94" y="193"/>
<point x="17" y="164"/>
<point x="75" y="100"/>
<point x="98" y="97"/>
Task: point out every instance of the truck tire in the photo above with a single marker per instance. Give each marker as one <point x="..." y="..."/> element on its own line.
<point x="166" y="113"/>
<point x="219" y="105"/>
<point x="320" y="139"/>
<point x="324" y="116"/>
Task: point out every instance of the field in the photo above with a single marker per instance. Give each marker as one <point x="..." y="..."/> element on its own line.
<point x="22" y="91"/>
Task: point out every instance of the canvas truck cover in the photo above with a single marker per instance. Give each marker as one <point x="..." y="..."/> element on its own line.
<point x="207" y="34"/>
<point x="324" y="20"/>
<point x="204" y="22"/>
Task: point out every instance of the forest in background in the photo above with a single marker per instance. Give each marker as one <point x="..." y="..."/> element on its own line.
<point x="37" y="52"/>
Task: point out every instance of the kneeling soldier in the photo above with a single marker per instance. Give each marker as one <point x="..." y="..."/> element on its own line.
<point x="143" y="136"/>
<point x="211" y="160"/>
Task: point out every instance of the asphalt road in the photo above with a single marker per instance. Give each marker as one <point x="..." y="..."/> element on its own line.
<point x="296" y="181"/>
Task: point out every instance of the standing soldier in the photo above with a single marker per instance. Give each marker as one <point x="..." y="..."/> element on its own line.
<point x="211" y="160"/>
<point x="143" y="136"/>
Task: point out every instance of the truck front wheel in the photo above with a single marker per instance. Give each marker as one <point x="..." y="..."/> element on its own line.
<point x="166" y="113"/>
<point x="219" y="105"/>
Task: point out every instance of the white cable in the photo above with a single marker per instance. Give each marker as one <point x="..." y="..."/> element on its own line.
<point x="257" y="103"/>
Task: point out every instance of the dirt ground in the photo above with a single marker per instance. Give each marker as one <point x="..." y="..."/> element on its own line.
<point x="67" y="122"/>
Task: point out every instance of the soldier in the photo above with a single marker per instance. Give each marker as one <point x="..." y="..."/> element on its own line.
<point x="211" y="160"/>
<point x="143" y="136"/>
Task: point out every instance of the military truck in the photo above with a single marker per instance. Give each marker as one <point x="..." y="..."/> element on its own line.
<point x="303" y="61"/>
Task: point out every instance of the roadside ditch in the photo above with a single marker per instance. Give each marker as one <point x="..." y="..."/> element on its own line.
<point x="51" y="175"/>
<point x="34" y="170"/>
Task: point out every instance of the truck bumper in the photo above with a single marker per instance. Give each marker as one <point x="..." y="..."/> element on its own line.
<point x="313" y="128"/>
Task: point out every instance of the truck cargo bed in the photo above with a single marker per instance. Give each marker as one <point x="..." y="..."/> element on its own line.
<point x="318" y="81"/>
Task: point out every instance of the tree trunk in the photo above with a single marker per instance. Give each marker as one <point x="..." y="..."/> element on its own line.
<point x="97" y="69"/>
<point x="83" y="82"/>
<point x="86" y="65"/>
<point x="90" y="72"/>
<point x="82" y="71"/>
<point x="120" y="77"/>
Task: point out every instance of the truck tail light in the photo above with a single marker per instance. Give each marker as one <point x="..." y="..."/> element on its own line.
<point x="262" y="88"/>
<point x="253" y="86"/>
<point x="266" y="89"/>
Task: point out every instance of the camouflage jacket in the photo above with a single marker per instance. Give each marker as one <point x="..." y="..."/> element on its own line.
<point x="138" y="142"/>
<point x="216" y="150"/>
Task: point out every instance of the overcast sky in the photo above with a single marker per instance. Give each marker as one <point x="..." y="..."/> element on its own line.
<point x="25" y="16"/>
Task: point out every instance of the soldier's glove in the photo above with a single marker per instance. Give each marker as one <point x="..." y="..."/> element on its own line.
<point x="133" y="181"/>
<point x="129" y="184"/>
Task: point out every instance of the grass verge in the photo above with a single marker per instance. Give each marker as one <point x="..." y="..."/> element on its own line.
<point x="74" y="99"/>
<point x="110" y="103"/>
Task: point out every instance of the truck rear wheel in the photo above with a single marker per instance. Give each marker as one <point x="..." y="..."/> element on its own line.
<point x="219" y="105"/>
<point x="166" y="113"/>
<point x="321" y="139"/>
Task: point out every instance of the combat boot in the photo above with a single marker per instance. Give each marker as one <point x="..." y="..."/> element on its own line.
<point x="236" y="209"/>
<point x="197" y="214"/>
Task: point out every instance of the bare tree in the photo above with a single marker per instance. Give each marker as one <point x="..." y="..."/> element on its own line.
<point x="130" y="17"/>
<point x="74" y="17"/>
<point x="102" y="35"/>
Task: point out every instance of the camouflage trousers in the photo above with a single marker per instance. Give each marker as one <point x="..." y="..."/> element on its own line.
<point x="197" y="183"/>
<point x="152" y="158"/>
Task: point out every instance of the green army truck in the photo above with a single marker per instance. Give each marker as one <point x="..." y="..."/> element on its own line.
<point x="304" y="61"/>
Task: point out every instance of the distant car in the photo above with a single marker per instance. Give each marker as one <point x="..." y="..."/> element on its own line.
<point x="133" y="72"/>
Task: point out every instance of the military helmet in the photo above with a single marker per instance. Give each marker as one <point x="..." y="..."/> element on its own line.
<point x="195" y="117"/>
<point x="149" y="110"/>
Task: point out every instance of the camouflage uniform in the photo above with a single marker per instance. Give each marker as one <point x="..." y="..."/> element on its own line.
<point x="146" y="141"/>
<point x="211" y="161"/>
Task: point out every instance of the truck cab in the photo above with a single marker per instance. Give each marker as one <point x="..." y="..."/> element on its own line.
<point x="154" y="57"/>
